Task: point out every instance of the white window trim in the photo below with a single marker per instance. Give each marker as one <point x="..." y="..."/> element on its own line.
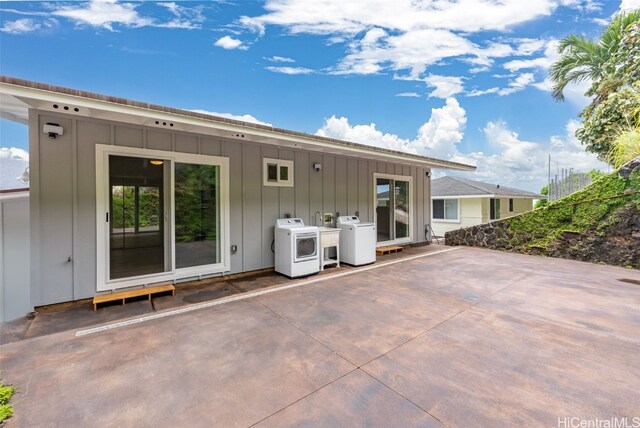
<point x="409" y="179"/>
<point x="102" y="207"/>
<point x="280" y="163"/>
<point x="443" y="220"/>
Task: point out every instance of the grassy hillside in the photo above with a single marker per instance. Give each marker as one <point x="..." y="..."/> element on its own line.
<point x="592" y="209"/>
<point x="600" y="224"/>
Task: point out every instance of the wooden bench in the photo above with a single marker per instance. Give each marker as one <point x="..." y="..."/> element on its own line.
<point x="388" y="250"/>
<point x="123" y="295"/>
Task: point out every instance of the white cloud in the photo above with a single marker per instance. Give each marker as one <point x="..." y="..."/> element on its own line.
<point x="188" y="18"/>
<point x="544" y="62"/>
<point x="629" y="4"/>
<point x="276" y="58"/>
<point x="445" y="86"/>
<point x="439" y="136"/>
<point x="408" y="94"/>
<point x="365" y="134"/>
<point x="290" y="70"/>
<point x="510" y="160"/>
<point x="478" y="92"/>
<point x="573" y="92"/>
<point x="104" y="14"/>
<point x="334" y="16"/>
<point x="518" y="84"/>
<point x="243" y="117"/>
<point x="20" y="26"/>
<point x="14" y="153"/>
<point x="228" y="42"/>
<point x="405" y="35"/>
<point x="108" y="13"/>
<point x="13" y="162"/>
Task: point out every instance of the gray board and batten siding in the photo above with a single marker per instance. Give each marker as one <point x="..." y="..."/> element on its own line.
<point x="63" y="195"/>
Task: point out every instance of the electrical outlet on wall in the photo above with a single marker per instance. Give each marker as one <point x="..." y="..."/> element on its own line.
<point x="328" y="218"/>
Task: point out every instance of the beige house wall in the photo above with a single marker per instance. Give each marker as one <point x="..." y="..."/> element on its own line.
<point x="475" y="211"/>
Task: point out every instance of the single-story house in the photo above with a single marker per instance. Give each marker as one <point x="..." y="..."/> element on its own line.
<point x="459" y="202"/>
<point x="116" y="187"/>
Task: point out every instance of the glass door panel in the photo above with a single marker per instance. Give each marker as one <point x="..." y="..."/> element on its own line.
<point x="197" y="215"/>
<point x="136" y="244"/>
<point x="383" y="209"/>
<point x="401" y="209"/>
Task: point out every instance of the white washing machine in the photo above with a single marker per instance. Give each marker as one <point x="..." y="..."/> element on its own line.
<point x="357" y="241"/>
<point x="296" y="248"/>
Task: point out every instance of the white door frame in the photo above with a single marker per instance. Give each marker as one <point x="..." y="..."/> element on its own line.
<point x="407" y="178"/>
<point x="103" y="283"/>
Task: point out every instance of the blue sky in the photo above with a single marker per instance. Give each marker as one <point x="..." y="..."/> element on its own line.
<point x="461" y="80"/>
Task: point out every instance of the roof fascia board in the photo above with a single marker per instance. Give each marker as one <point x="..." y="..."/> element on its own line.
<point x="484" y="197"/>
<point x="266" y="136"/>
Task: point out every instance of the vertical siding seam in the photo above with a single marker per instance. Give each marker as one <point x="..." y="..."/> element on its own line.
<point x="74" y="204"/>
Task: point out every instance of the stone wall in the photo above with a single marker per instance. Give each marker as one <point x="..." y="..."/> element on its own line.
<point x="618" y="245"/>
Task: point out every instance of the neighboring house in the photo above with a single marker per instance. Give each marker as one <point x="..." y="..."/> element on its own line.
<point x="460" y="202"/>
<point x="117" y="185"/>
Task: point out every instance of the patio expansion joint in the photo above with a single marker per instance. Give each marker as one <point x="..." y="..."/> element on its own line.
<point x="279" y="316"/>
<point x="403" y="396"/>
<point x="304" y="396"/>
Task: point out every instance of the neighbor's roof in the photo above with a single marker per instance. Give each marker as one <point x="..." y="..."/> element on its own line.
<point x="17" y="96"/>
<point x="456" y="186"/>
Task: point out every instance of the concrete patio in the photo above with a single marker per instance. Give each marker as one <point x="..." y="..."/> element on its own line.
<point x="467" y="337"/>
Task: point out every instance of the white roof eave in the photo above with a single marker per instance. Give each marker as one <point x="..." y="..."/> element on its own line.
<point x="114" y="111"/>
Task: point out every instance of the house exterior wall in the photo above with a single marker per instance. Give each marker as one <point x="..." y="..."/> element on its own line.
<point x="63" y="194"/>
<point x="475" y="211"/>
<point x="15" y="294"/>
<point x="470" y="214"/>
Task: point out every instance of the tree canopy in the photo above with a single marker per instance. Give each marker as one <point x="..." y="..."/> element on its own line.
<point x="612" y="64"/>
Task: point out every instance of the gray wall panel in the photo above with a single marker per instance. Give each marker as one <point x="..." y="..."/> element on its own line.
<point x="212" y="147"/>
<point x="88" y="134"/>
<point x="252" y="212"/>
<point x="270" y="208"/>
<point x="186" y="143"/>
<point x="56" y="214"/>
<point x="287" y="194"/>
<point x="302" y="169"/>
<point x="316" y="190"/>
<point x="372" y="169"/>
<point x="128" y="137"/>
<point x="363" y="189"/>
<point x="234" y="152"/>
<point x="341" y="185"/>
<point x="352" y="186"/>
<point x="157" y="140"/>
<point x="328" y="186"/>
<point x="15" y="290"/>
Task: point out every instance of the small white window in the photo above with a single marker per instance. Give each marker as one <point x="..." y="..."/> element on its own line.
<point x="277" y="172"/>
<point x="445" y="209"/>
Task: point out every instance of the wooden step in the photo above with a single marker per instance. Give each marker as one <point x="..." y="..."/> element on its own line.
<point x="123" y="295"/>
<point x="381" y="251"/>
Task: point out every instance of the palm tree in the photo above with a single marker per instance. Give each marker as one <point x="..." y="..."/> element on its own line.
<point x="582" y="58"/>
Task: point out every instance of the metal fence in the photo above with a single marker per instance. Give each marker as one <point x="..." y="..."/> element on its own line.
<point x="566" y="183"/>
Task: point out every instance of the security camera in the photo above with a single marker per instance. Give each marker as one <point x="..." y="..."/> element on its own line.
<point x="53" y="129"/>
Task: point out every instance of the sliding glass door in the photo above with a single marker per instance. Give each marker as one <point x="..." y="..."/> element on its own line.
<point x="393" y="208"/>
<point x="197" y="218"/>
<point x="161" y="216"/>
<point x="137" y="244"/>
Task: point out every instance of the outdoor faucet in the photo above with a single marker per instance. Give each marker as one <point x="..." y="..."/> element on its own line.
<point x="315" y="217"/>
